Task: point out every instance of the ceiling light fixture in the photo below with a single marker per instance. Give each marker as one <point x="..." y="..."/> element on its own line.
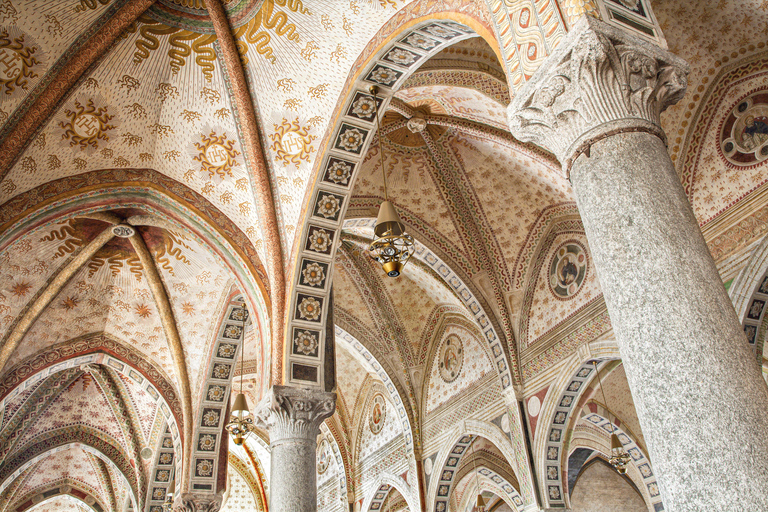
<point x="619" y="456"/>
<point x="240" y="421"/>
<point x="392" y="247"/>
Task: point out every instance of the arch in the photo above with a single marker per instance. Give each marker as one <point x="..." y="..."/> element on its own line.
<point x="498" y="484"/>
<point x="151" y="191"/>
<point x="384" y="485"/>
<point x="387" y="75"/>
<point x="83" y="437"/>
<point x="371" y="364"/>
<point x="213" y="406"/>
<point x="642" y="468"/>
<point x="449" y="458"/>
<point x="98" y="348"/>
<point x="67" y="487"/>
<point x="749" y="293"/>
<point x="561" y="399"/>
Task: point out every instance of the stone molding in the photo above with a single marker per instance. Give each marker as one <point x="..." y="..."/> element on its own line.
<point x="192" y="502"/>
<point x="292" y="413"/>
<point x="600" y="81"/>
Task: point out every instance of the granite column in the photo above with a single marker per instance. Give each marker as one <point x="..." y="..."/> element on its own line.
<point x="700" y="399"/>
<point x="293" y="416"/>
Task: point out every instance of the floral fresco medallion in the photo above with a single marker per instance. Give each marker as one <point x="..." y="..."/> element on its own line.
<point x="339" y="171"/>
<point x="744" y="133"/>
<point x="378" y="413"/>
<point x="451" y="358"/>
<point x="306" y="342"/>
<point x="323" y="456"/>
<point x="567" y="270"/>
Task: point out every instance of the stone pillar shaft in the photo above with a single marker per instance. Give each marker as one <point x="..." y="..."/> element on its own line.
<point x="698" y="393"/>
<point x="293" y="417"/>
<point x="699" y="396"/>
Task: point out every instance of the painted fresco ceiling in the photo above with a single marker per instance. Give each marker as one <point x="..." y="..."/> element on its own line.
<point x="159" y="107"/>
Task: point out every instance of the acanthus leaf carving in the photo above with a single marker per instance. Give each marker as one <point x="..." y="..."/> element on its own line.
<point x="289" y="412"/>
<point x="599" y="81"/>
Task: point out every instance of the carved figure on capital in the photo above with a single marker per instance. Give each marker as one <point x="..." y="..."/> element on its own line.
<point x="600" y="81"/>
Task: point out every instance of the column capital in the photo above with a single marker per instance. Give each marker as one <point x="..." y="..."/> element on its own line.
<point x="289" y="412"/>
<point x="598" y="82"/>
<point x="192" y="502"/>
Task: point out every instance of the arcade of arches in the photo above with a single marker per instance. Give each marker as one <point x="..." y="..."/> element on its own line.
<point x="188" y="191"/>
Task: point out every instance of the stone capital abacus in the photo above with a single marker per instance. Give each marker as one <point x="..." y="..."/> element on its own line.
<point x="600" y="81"/>
<point x="289" y="412"/>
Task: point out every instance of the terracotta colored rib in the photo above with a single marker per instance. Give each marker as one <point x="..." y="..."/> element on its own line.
<point x="173" y="339"/>
<point x="265" y="199"/>
<point x="45" y="105"/>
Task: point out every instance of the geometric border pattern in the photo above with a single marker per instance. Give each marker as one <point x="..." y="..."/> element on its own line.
<point x="638" y="458"/>
<point x="352" y="134"/>
<point x="206" y="441"/>
<point x="164" y="458"/>
<point x="556" y="435"/>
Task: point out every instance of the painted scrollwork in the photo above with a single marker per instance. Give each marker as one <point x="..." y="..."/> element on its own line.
<point x="600" y="80"/>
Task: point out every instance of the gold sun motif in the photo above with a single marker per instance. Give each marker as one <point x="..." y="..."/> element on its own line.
<point x="86" y="125"/>
<point x="17" y="60"/>
<point x="21" y="289"/>
<point x="291" y="143"/>
<point x="217" y="155"/>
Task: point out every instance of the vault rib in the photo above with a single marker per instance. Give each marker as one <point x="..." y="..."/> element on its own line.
<point x="48" y="99"/>
<point x="57" y="282"/>
<point x="265" y="199"/>
<point x="173" y="339"/>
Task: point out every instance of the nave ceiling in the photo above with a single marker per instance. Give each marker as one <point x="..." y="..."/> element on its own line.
<point x="155" y="136"/>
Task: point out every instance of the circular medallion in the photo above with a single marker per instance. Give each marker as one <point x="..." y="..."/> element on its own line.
<point x="378" y="413"/>
<point x="86" y="125"/>
<point x="123" y="231"/>
<point x="534" y="406"/>
<point x="323" y="456"/>
<point x="146" y="453"/>
<point x="12" y="64"/>
<point x="216" y="155"/>
<point x="744" y="134"/>
<point x="567" y="270"/>
<point x="451" y="358"/>
<point x="428" y="466"/>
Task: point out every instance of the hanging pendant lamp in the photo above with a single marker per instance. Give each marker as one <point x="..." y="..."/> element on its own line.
<point x="392" y="247"/>
<point x="240" y="421"/>
<point x="619" y="457"/>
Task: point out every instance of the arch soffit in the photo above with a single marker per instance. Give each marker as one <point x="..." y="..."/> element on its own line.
<point x="387" y="75"/>
<point x="562" y="398"/>
<point x="391" y="387"/>
<point x="464" y="435"/>
<point x="214" y="394"/>
<point x="384" y="485"/>
<point x="749" y="293"/>
<point x="492" y="481"/>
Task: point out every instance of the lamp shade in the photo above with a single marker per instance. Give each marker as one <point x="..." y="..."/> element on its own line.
<point x="616" y="443"/>
<point x="240" y="407"/>
<point x="388" y="222"/>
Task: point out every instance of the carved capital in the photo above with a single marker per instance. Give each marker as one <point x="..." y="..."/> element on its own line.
<point x="192" y="502"/>
<point x="598" y="82"/>
<point x="294" y="413"/>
